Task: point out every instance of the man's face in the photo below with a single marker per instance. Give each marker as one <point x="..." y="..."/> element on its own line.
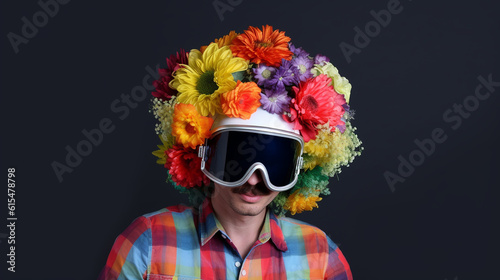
<point x="251" y="199"/>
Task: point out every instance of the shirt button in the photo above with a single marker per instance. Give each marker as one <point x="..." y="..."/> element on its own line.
<point x="243" y="272"/>
<point x="237" y="264"/>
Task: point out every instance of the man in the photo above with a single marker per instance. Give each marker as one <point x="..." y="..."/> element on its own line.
<point x="233" y="234"/>
<point x="255" y="127"/>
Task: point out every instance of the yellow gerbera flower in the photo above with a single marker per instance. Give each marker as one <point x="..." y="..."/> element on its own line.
<point x="297" y="202"/>
<point x="162" y="156"/>
<point x="206" y="76"/>
<point x="189" y="127"/>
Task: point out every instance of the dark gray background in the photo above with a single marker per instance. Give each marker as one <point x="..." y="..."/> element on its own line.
<point x="438" y="224"/>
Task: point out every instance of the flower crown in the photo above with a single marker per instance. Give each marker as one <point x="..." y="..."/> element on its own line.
<point x="237" y="74"/>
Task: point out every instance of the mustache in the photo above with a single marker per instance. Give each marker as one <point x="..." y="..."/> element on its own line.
<point x="258" y="189"/>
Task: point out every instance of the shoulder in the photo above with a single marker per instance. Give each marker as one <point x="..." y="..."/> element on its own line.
<point x="174" y="216"/>
<point x="133" y="253"/>
<point x="294" y="229"/>
<point x="322" y="253"/>
<point x="170" y="216"/>
<point x="167" y="222"/>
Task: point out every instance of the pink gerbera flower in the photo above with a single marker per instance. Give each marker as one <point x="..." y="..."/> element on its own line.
<point x="315" y="103"/>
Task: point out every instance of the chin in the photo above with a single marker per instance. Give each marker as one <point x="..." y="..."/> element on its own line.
<point x="248" y="210"/>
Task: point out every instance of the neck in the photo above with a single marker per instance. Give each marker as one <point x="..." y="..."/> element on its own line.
<point x="245" y="225"/>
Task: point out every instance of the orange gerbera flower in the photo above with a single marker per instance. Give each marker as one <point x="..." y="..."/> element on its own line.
<point x="242" y="101"/>
<point x="226" y="40"/>
<point x="262" y="46"/>
<point x="189" y="127"/>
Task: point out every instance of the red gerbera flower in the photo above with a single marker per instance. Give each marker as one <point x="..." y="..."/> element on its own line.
<point x="262" y="46"/>
<point x="315" y="103"/>
<point x="184" y="166"/>
<point x="163" y="91"/>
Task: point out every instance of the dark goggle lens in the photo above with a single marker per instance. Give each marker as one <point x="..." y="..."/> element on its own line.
<point x="231" y="153"/>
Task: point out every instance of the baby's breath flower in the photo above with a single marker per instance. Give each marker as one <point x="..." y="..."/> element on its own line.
<point x="332" y="150"/>
<point x="163" y="111"/>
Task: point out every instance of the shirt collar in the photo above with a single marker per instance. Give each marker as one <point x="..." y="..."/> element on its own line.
<point x="207" y="222"/>
<point x="209" y="225"/>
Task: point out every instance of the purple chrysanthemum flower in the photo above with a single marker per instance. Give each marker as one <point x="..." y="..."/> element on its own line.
<point x="298" y="51"/>
<point x="286" y="75"/>
<point x="304" y="64"/>
<point x="348" y="115"/>
<point x="263" y="73"/>
<point x="341" y="127"/>
<point x="275" y="101"/>
<point x="321" y="59"/>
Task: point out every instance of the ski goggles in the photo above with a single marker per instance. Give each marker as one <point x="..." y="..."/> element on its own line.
<point x="232" y="154"/>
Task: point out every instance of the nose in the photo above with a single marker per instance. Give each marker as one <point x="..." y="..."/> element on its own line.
<point x="255" y="178"/>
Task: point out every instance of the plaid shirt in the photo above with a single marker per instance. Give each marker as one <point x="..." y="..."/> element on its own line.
<point x="181" y="243"/>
